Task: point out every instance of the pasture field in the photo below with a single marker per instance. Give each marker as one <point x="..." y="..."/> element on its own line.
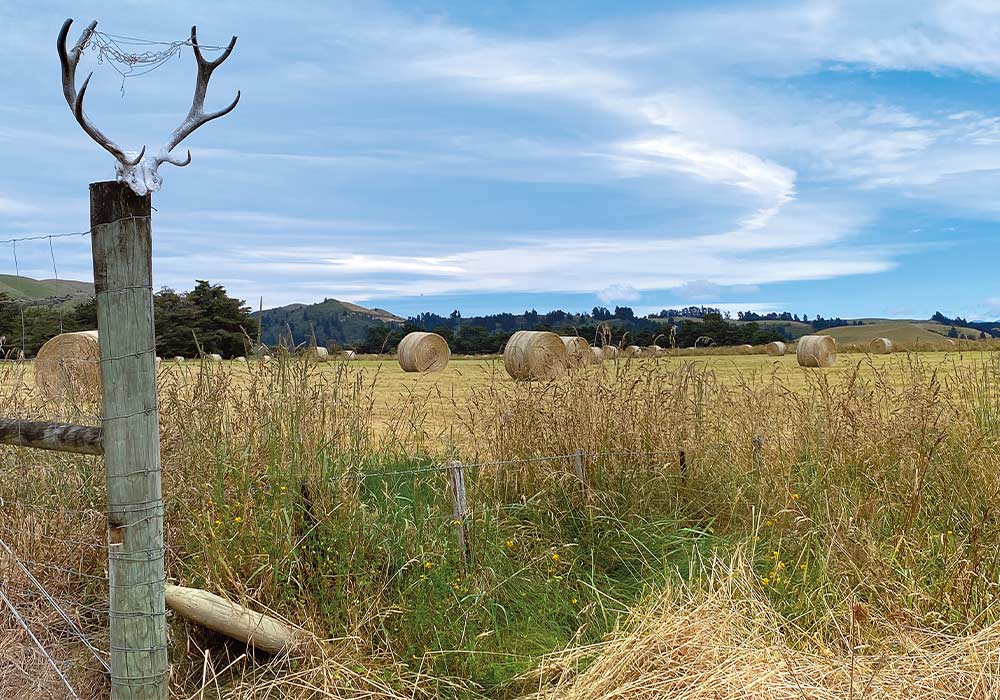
<point x="832" y="534"/>
<point x="442" y="398"/>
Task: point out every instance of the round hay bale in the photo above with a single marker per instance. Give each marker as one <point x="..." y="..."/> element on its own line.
<point x="950" y="342"/>
<point x="423" y="352"/>
<point x="178" y="359"/>
<point x="535" y="355"/>
<point x="775" y="348"/>
<point x="317" y="353"/>
<point x="578" y="350"/>
<point x="610" y="352"/>
<point x="880" y="346"/>
<point x="655" y="350"/>
<point x="598" y="354"/>
<point x="69" y="365"/>
<point x="348" y="354"/>
<point x="265" y="359"/>
<point x="239" y="359"/>
<point x="632" y="351"/>
<point x="745" y="348"/>
<point x="214" y="357"/>
<point x="158" y="360"/>
<point x="816" y="351"/>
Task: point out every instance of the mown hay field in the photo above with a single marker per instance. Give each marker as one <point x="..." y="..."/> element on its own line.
<point x="442" y="399"/>
<point x="832" y="533"/>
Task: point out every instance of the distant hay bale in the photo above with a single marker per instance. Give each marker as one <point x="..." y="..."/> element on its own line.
<point x="348" y="354"/>
<point x="632" y="351"/>
<point x="775" y="348"/>
<point x="158" y="360"/>
<point x="214" y="357"/>
<point x="69" y="365"/>
<point x="610" y="352"/>
<point x="745" y="348"/>
<point x="578" y="350"/>
<point x="950" y="342"/>
<point x="535" y="355"/>
<point x="880" y="346"/>
<point x="654" y="350"/>
<point x="265" y="359"/>
<point x="598" y="354"/>
<point x="239" y="359"/>
<point x="178" y="359"/>
<point x="816" y="351"/>
<point x="423" y="352"/>
<point x="318" y="353"/>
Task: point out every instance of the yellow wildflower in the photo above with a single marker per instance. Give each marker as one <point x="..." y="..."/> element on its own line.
<point x="555" y="557"/>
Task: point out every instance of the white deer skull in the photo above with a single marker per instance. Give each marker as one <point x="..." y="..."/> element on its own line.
<point x="134" y="169"/>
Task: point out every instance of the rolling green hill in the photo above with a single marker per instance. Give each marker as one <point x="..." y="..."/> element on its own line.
<point x="333" y="322"/>
<point x="898" y="331"/>
<point x="28" y="288"/>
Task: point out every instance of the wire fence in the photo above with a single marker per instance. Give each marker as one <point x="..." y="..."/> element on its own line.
<point x="56" y="561"/>
<point x="54" y="553"/>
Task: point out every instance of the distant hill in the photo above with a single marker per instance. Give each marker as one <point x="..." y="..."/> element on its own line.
<point x="899" y="331"/>
<point x="31" y="289"/>
<point x="333" y="322"/>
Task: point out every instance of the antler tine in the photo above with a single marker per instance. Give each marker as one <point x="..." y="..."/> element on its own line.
<point x="196" y="116"/>
<point x="69" y="60"/>
<point x="96" y="134"/>
<point x="201" y="59"/>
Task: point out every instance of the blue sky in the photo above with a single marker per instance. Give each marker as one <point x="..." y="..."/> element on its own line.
<point x="840" y="158"/>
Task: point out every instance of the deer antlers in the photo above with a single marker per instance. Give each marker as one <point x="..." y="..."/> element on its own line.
<point x="196" y="117"/>
<point x="140" y="174"/>
<point x="69" y="61"/>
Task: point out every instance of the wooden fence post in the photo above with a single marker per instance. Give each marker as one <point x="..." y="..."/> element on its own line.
<point x="580" y="465"/>
<point x="456" y="476"/>
<point x="121" y="240"/>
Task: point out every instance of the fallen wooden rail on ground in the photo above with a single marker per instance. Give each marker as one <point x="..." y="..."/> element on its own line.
<point x="61" y="437"/>
<point x="231" y="619"/>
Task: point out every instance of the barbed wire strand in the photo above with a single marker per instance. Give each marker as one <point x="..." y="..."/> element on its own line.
<point x="70" y="234"/>
<point x="110" y="49"/>
<point x="55" y="272"/>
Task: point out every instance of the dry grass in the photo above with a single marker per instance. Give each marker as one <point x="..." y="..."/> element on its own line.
<point x="726" y="640"/>
<point x="880" y="476"/>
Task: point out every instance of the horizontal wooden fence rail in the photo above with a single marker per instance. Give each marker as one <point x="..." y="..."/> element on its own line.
<point x="61" y="437"/>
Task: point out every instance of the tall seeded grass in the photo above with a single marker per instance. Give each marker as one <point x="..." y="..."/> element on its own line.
<point x="848" y="521"/>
